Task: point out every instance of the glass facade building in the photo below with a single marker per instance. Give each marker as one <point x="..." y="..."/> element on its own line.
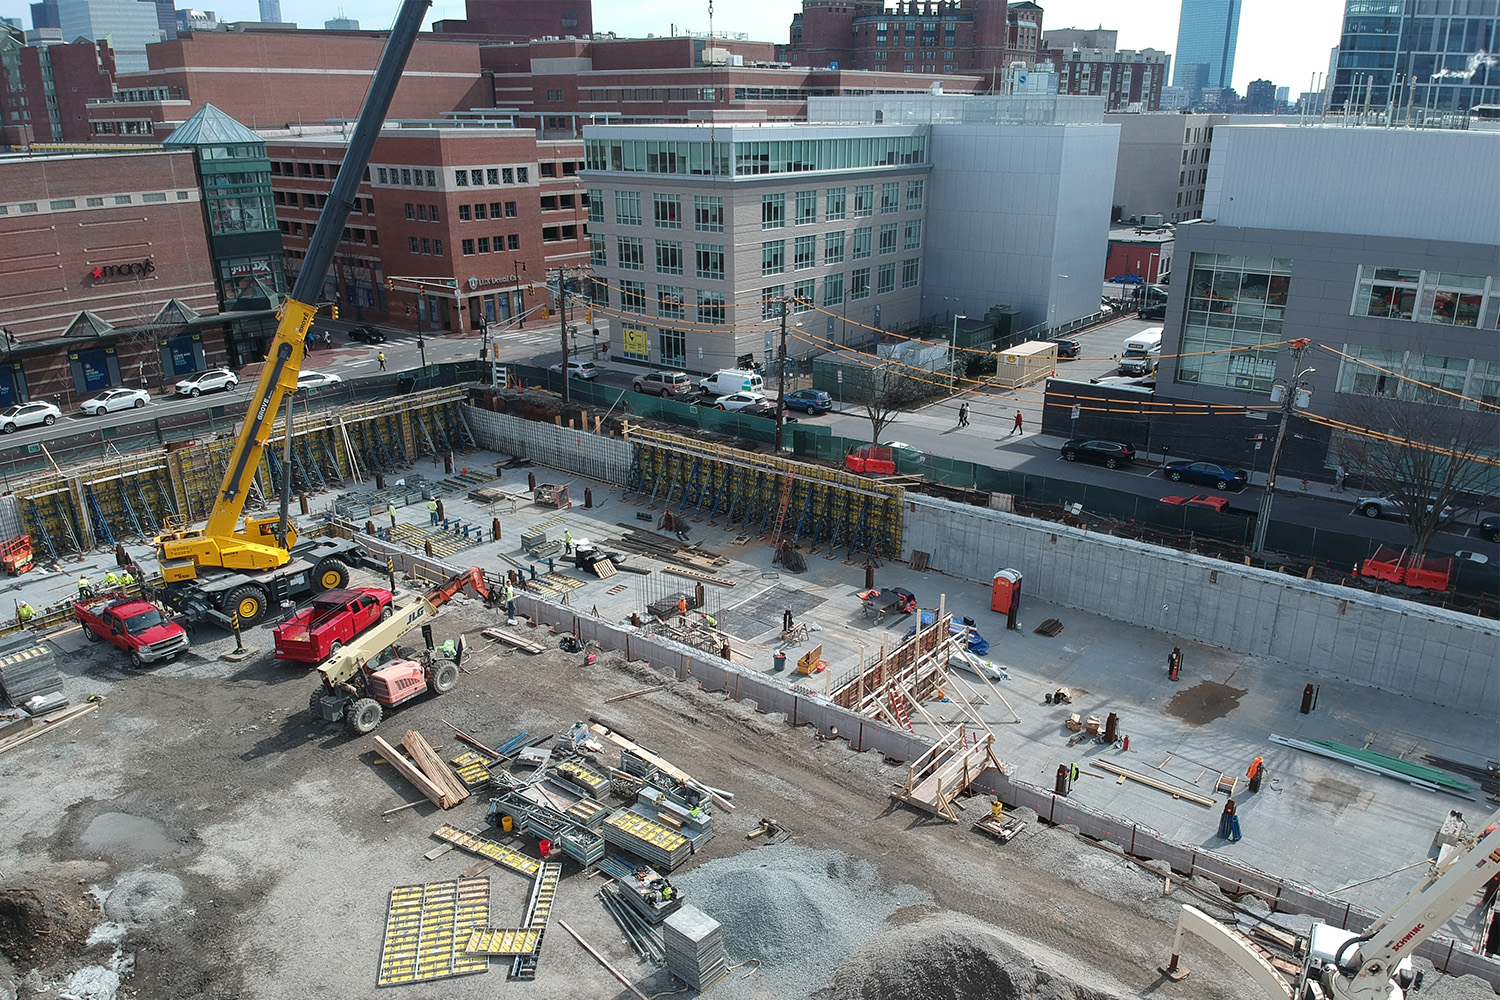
<point x="1206" y="33"/>
<point x="1425" y="55"/>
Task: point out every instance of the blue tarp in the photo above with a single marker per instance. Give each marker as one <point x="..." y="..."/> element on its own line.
<point x="978" y="645"/>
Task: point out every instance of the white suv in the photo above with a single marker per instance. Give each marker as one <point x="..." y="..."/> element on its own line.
<point x="28" y="415"/>
<point x="579" y="369"/>
<point x="209" y="381"/>
<point x="663" y="384"/>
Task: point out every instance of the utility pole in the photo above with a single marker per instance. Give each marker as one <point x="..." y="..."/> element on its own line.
<point x="781" y="379"/>
<point x="562" y="326"/>
<point x="1288" y="403"/>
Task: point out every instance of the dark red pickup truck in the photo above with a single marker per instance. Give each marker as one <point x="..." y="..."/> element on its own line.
<point x="335" y="617"/>
<point x="136" y="626"/>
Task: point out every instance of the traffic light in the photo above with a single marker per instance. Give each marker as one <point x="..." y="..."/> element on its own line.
<point x="333" y="311"/>
<point x="545" y="312"/>
<point x="531" y="289"/>
<point x="421" y="289"/>
<point x="588" y="316"/>
<point x="390" y="284"/>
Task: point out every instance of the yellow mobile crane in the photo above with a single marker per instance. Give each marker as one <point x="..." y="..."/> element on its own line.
<point x="221" y="571"/>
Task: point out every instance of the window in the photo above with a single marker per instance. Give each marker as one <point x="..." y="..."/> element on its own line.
<point x="476" y="178"/>
<point x="1426" y="296"/>
<point x="834" y="210"/>
<point x="120" y="199"/>
<point x="507" y="175"/>
<point x="805" y="253"/>
<point x="466" y="247"/>
<point x="1234" y="304"/>
<point x="669" y="302"/>
<point x="513" y="241"/>
<point x="890" y="198"/>
<point x="773" y="257"/>
<point x="915" y="190"/>
<point x="859" y="246"/>
<point x="807" y="208"/>
<point x="484" y="244"/>
<point x="510" y="211"/>
<point x="632" y="251"/>
<point x="913" y="238"/>
<point x="411" y="211"/>
<point x="478" y="210"/>
<point x="463" y="213"/>
<point x="412" y="245"/>
<point x="885" y="279"/>
<point x="772" y="211"/>
<point x="549" y="202"/>
<point x="833" y="290"/>
<point x="523" y="175"/>
<point x="598" y="254"/>
<point x="864" y="201"/>
<point x="803" y="293"/>
<point x="379" y="173"/>
<point x="628" y="208"/>
<point x="710" y="307"/>
<point x="833" y="248"/>
<point x="59" y="204"/>
<point x="405" y="175"/>
<point x="770" y="301"/>
<point x="668" y="257"/>
<point x="460" y="178"/>
<point x="426" y="245"/>
<point x="97" y="202"/>
<point x="633" y="296"/>
<point x="859" y="283"/>
<point x="667" y="210"/>
<point x="708" y="213"/>
<point x="550" y="169"/>
<point x="596" y="205"/>
<point x="911" y="272"/>
<point x="673" y="345"/>
<point x="431" y="179"/>
<point x="708" y="261"/>
<point x="154" y="196"/>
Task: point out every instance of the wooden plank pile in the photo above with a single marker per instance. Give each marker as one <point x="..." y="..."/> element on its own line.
<point x="511" y="637"/>
<point x="29" y="729"/>
<point x="425" y="769"/>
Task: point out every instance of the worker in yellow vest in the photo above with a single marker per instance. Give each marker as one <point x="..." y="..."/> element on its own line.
<point x="110" y="580"/>
<point x="24" y="612"/>
<point x="85" y="588"/>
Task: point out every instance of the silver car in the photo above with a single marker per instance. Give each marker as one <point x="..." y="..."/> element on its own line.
<point x="210" y="381"/>
<point x="28" y="415"/>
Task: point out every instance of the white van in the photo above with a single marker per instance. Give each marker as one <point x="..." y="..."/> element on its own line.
<point x="722" y="383"/>
<point x="1140" y="352"/>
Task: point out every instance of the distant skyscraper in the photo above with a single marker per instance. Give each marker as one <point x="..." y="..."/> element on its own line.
<point x="1400" y="53"/>
<point x="129" y="25"/>
<point x="270" y="11"/>
<point x="1260" y="97"/>
<point x="341" y="23"/>
<point x="44" y="15"/>
<point x="1206" y="34"/>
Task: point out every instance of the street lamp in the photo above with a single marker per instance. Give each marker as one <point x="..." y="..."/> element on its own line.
<point x="1289" y="398"/>
<point x="515" y="280"/>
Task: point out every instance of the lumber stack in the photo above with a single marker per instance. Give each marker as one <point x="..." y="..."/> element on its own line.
<point x="425" y="770"/>
<point x="30" y="729"/>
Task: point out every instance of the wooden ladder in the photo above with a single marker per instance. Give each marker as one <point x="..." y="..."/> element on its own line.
<point x="898" y="707"/>
<point x="786" y="500"/>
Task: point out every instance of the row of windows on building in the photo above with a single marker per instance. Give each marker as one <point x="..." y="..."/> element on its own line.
<point x="653" y="156"/>
<point x="708" y="210"/>
<point x="352" y="234"/>
<point x="312" y="200"/>
<point x="1428" y="296"/>
<point x="709" y="306"/>
<point x="910" y="68"/>
<point x="482" y="244"/>
<point x="92" y="201"/>
<point x="122" y="126"/>
<point x="670" y="256"/>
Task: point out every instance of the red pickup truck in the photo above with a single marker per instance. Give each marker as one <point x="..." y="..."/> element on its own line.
<point x="336" y="616"/>
<point x="134" y="625"/>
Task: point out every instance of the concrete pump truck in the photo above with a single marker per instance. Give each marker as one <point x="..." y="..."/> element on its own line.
<point x="222" y="571"/>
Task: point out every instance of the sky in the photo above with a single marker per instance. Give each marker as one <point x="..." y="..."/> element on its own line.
<point x="1284" y="41"/>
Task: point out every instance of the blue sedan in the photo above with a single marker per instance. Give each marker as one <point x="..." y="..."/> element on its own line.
<point x="809" y="401"/>
<point x="1215" y="474"/>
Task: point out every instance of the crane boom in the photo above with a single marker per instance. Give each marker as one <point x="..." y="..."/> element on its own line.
<point x="220" y="542"/>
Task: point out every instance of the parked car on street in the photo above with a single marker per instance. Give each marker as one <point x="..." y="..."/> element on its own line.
<point x="1110" y="454"/>
<point x="115" y="399"/>
<point x="753" y="402"/>
<point x="1489" y="527"/>
<point x="1208" y="500"/>
<point x="1215" y="474"/>
<point x="213" y="380"/>
<point x="317" y="380"/>
<point x="28" y="415"/>
<point x="676" y="384"/>
<point x="1067" y="347"/>
<point x="367" y="335"/>
<point x="579" y="369"/>
<point x="809" y="401"/>
<point x="1390" y="503"/>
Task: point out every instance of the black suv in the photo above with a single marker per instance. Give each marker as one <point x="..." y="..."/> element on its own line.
<point x="367" y="334"/>
<point x="1067" y="347"/>
<point x="1110" y="454"/>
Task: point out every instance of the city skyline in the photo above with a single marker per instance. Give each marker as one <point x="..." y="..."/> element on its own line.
<point x="1266" y="48"/>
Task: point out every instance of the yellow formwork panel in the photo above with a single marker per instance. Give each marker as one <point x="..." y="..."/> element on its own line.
<point x="425" y="927"/>
<point x="648" y="830"/>
<point x="509" y="941"/>
<point x="473" y="769"/>
<point x="498" y="853"/>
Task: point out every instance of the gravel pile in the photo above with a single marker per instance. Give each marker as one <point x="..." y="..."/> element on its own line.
<point x="946" y="959"/>
<point x="143" y="897"/>
<point x="796" y="911"/>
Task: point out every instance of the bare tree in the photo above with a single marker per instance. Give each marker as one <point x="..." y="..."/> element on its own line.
<point x="883" y="390"/>
<point x="1431" y="461"/>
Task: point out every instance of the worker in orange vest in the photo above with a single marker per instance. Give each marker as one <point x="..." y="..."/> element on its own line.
<point x="1257" y="769"/>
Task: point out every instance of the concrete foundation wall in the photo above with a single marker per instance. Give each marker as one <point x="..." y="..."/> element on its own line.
<point x="601" y="458"/>
<point x="1422" y="652"/>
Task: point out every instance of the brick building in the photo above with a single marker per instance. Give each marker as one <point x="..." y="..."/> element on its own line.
<point x="275" y="78"/>
<point x="1125" y="78"/>
<point x="522" y="20"/>
<point x="915" y="36"/>
<point x="45" y="90"/>
<point x="111" y="275"/>
<point x="450" y="226"/>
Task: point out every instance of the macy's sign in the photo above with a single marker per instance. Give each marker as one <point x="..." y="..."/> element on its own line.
<point x="136" y="269"/>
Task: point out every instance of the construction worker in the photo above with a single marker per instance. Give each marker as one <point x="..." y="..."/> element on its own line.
<point x="381" y="358"/>
<point x="24" y="612"/>
<point x="390" y="508"/>
<point x="85" y="588"/>
<point x="432" y="512"/>
<point x="1174" y="662"/>
<point x="110" y="580"/>
<point x="449" y="648"/>
<point x="682" y="605"/>
<point x="125" y="578"/>
<point x="711" y="620"/>
<point x="567" y="542"/>
<point x="509" y="596"/>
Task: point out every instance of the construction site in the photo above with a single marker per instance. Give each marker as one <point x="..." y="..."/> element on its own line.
<point x="744" y="734"/>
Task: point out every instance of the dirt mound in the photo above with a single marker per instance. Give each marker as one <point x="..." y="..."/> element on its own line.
<point x="941" y="961"/>
<point x="143" y="897"/>
<point x="37" y="926"/>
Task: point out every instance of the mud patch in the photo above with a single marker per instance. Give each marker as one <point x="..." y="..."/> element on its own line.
<point x="115" y="834"/>
<point x="40" y="925"/>
<point x="1204" y="702"/>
